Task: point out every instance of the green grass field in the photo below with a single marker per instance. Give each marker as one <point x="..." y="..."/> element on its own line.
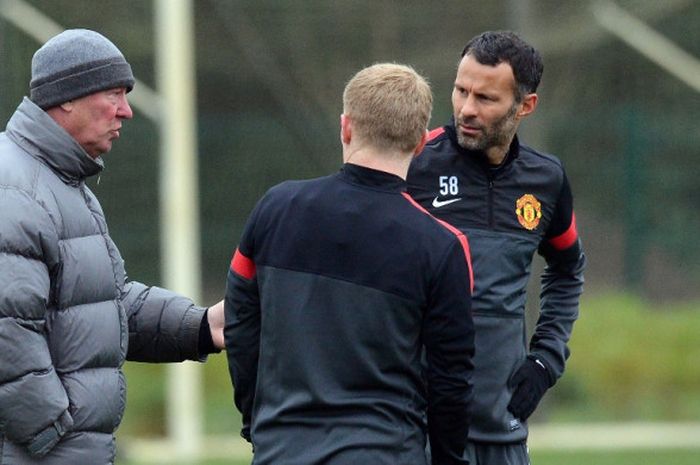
<point x="612" y="376"/>
<point x="622" y="457"/>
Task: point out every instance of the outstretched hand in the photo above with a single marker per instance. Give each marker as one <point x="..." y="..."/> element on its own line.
<point x="215" y="318"/>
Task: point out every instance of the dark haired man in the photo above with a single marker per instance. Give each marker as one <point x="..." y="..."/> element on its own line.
<point x="510" y="200"/>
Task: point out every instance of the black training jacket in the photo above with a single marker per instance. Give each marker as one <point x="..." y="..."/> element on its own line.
<point x="335" y="286"/>
<point x="508" y="213"/>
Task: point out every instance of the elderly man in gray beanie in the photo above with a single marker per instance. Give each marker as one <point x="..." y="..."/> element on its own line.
<point x="68" y="316"/>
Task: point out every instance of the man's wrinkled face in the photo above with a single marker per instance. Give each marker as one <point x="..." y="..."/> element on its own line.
<point x="484" y="104"/>
<point x="96" y="119"/>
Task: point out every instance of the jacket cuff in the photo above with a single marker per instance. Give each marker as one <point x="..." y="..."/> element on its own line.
<point x="191" y="326"/>
<point x="47" y="438"/>
<point x="547" y="365"/>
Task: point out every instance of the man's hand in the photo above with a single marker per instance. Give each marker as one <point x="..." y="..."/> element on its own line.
<point x="529" y="383"/>
<point x="215" y="318"/>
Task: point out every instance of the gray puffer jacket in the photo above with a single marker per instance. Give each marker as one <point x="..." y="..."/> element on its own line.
<point x="68" y="318"/>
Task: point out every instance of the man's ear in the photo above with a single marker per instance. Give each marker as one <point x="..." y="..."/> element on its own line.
<point x="67" y="106"/>
<point x="528" y="105"/>
<point x="345" y="129"/>
<point x="421" y="144"/>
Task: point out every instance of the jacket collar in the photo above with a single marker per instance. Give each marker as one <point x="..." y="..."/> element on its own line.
<point x="513" y="150"/>
<point x="369" y="177"/>
<point x="39" y="135"/>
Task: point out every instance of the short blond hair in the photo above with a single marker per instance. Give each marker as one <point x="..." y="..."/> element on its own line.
<point x="389" y="105"/>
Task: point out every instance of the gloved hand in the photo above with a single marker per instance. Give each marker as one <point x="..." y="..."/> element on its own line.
<point x="529" y="383"/>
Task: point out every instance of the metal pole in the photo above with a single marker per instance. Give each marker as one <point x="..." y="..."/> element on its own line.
<point x="37" y="25"/>
<point x="645" y="40"/>
<point x="179" y="206"/>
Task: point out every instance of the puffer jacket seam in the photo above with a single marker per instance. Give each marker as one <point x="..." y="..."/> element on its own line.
<point x="24" y="375"/>
<point x="16" y="318"/>
<point x="17" y="253"/>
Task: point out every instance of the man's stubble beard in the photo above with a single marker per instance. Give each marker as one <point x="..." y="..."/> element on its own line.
<point x="497" y="135"/>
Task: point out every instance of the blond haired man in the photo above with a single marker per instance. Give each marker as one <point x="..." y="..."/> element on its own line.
<point x="337" y="284"/>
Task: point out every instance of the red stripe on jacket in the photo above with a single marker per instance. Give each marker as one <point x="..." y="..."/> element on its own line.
<point x="435" y="132"/>
<point x="242" y="265"/>
<point x="460" y="235"/>
<point x="567" y="238"/>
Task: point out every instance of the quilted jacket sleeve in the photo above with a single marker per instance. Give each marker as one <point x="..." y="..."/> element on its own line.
<point x="163" y="326"/>
<point x="33" y="401"/>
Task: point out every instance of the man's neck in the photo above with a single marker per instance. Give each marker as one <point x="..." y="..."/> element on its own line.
<point x="390" y="162"/>
<point x="496" y="155"/>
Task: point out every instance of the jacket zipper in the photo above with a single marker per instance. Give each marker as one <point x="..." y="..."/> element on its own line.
<point x="490" y="203"/>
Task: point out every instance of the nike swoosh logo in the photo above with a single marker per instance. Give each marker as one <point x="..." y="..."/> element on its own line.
<point x="441" y="203"/>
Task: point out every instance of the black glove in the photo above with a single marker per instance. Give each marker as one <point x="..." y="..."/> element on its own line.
<point x="529" y="383"/>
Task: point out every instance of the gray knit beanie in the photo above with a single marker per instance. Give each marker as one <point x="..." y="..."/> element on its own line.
<point x="75" y="63"/>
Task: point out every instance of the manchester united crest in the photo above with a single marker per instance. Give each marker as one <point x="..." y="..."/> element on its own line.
<point x="529" y="211"/>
